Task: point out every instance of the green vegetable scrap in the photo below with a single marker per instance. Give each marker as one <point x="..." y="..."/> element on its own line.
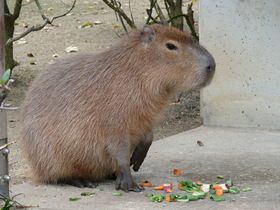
<point x="233" y="190"/>
<point x="189" y="186"/>
<point x="220" y="177"/>
<point x="247" y="189"/>
<point x="117" y="194"/>
<point x="229" y="183"/>
<point x="217" y="198"/>
<point x="74" y="199"/>
<point x="155" y="198"/>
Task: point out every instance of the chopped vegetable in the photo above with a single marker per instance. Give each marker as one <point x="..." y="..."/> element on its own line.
<point x="247" y="189"/>
<point x="169" y="191"/>
<point x="220" y="177"/>
<point x="229" y="183"/>
<point x="205" y="187"/>
<point x="74" y="199"/>
<point x="219" y="192"/>
<point x="200" y="194"/>
<point x="161" y="187"/>
<point x="117" y="194"/>
<point x="155" y="198"/>
<point x="179" y="185"/>
<point x="233" y="190"/>
<point x="217" y="198"/>
<point x="146" y="184"/>
<point x="169" y="199"/>
<point x="177" y="172"/>
<point x="199" y="182"/>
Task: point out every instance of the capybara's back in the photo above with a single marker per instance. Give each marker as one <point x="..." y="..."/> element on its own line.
<point x="90" y="115"/>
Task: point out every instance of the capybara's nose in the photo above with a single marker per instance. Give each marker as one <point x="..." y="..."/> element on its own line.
<point x="211" y="64"/>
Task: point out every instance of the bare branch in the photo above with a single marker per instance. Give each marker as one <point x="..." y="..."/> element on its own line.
<point x="118" y="10"/>
<point x="6" y="8"/>
<point x="17" y="9"/>
<point x="39" y="27"/>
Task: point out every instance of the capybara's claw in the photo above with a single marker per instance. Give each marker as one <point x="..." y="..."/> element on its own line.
<point x="80" y="182"/>
<point x="129" y="187"/>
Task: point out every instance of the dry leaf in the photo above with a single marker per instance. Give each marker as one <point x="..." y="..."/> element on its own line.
<point x="71" y="49"/>
<point x="200" y="143"/>
<point x="98" y="22"/>
<point x="25" y="25"/>
<point x="30" y="55"/>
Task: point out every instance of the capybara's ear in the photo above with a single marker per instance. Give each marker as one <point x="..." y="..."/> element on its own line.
<point x="148" y="33"/>
<point x="164" y="22"/>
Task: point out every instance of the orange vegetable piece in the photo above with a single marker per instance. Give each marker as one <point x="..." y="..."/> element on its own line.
<point x="161" y="187"/>
<point x="199" y="182"/>
<point x="219" y="192"/>
<point x="167" y="197"/>
<point x="201" y="187"/>
<point x="215" y="186"/>
<point x="146" y="184"/>
<point x="177" y="172"/>
<point x="169" y="191"/>
<point x="180" y="185"/>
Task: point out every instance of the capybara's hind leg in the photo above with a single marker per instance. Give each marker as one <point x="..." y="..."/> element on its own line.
<point x="140" y="152"/>
<point x="79" y="182"/>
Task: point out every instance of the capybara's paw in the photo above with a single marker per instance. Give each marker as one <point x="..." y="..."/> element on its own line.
<point x="80" y="182"/>
<point x="126" y="187"/>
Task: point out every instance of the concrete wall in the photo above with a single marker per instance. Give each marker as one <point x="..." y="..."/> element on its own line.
<point x="244" y="38"/>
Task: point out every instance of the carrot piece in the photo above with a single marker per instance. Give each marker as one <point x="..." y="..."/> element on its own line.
<point x="219" y="192"/>
<point x="201" y="188"/>
<point x="171" y="185"/>
<point x="177" y="172"/>
<point x="161" y="187"/>
<point x="169" y="191"/>
<point x="215" y="186"/>
<point x="199" y="182"/>
<point x="180" y="185"/>
<point x="167" y="197"/>
<point x="146" y="184"/>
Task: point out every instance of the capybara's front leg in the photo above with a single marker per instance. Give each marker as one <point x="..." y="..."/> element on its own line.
<point x="120" y="152"/>
<point x="124" y="180"/>
<point x="140" y="152"/>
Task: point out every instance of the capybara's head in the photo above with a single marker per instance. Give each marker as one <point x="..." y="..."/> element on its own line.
<point x="176" y="58"/>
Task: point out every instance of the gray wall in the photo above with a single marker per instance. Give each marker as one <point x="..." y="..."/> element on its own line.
<point x="244" y="38"/>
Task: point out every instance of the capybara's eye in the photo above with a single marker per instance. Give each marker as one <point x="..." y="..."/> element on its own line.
<point x="171" y="46"/>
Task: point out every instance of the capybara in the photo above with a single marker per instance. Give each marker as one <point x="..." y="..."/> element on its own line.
<point x="92" y="115"/>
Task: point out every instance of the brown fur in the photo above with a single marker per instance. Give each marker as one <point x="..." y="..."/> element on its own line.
<point x="84" y="115"/>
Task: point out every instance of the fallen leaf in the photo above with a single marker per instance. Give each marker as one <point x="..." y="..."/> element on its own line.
<point x="98" y="22"/>
<point x="50" y="8"/>
<point x="116" y="27"/>
<point x="33" y="63"/>
<point x="71" y="49"/>
<point x="30" y="55"/>
<point x="86" y="25"/>
<point x="200" y="143"/>
<point x="25" y="25"/>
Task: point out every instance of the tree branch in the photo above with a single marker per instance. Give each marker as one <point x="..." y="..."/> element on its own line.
<point x="6" y="8"/>
<point x="118" y="10"/>
<point x="39" y="27"/>
<point x="17" y="9"/>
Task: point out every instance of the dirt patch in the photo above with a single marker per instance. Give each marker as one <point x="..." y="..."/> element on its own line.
<point x="66" y="32"/>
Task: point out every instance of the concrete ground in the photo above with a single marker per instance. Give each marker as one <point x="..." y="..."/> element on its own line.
<point x="251" y="158"/>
